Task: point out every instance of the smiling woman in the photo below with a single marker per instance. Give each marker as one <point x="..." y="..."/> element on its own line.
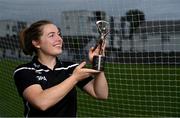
<point x="46" y="84"/>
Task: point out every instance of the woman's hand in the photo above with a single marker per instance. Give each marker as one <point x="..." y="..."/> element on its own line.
<point x="94" y="52"/>
<point x="81" y="73"/>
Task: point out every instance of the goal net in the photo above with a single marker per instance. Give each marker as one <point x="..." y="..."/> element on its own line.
<point x="142" y="52"/>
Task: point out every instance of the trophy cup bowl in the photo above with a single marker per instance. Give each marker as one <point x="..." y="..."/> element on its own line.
<point x="99" y="60"/>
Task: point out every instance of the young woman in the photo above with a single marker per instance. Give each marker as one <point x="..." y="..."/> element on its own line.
<point x="46" y="84"/>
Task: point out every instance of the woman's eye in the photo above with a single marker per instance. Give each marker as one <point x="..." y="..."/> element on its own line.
<point x="51" y="35"/>
<point x="59" y="33"/>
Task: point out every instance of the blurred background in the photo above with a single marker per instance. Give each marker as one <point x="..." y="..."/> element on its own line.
<point x="143" y="52"/>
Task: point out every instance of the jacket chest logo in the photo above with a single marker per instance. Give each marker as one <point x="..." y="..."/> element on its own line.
<point x="40" y="78"/>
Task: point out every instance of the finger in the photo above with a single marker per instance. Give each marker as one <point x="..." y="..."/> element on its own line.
<point x="82" y="64"/>
<point x="94" y="48"/>
<point x="91" y="49"/>
<point x="90" y="70"/>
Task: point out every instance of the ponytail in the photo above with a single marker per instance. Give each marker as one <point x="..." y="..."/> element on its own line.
<point x="26" y="42"/>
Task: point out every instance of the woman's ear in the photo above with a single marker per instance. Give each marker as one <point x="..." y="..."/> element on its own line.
<point x="36" y="43"/>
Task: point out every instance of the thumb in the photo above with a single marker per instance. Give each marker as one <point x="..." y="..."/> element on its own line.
<point x="92" y="49"/>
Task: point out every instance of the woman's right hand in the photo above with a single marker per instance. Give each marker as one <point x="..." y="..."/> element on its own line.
<point x="81" y="73"/>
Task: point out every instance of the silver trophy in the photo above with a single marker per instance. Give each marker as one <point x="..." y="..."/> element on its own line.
<point x="99" y="60"/>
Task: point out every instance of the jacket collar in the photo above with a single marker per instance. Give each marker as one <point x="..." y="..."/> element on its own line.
<point x="39" y="65"/>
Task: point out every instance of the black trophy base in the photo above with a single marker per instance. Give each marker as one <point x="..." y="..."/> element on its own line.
<point x="98" y="62"/>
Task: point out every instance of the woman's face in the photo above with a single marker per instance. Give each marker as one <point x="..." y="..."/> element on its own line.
<point x="50" y="42"/>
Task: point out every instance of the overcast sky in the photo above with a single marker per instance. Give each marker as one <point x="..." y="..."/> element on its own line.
<point x="31" y="10"/>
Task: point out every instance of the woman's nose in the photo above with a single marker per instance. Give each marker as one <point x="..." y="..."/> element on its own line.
<point x="59" y="38"/>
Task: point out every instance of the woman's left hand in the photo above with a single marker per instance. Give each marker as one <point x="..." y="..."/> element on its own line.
<point x="94" y="52"/>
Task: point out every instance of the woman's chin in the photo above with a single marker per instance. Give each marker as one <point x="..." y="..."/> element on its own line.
<point x="60" y="51"/>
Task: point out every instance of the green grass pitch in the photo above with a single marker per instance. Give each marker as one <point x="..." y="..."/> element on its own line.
<point x="134" y="90"/>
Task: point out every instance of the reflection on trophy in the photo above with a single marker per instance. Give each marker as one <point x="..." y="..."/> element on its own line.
<point x="99" y="60"/>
